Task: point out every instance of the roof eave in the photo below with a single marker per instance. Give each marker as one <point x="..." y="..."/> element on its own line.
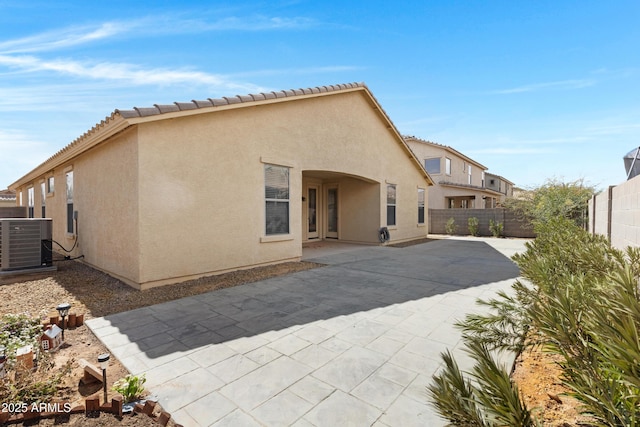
<point x="99" y="133"/>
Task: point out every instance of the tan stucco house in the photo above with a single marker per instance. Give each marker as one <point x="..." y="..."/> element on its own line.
<point x="164" y="194"/>
<point x="459" y="181"/>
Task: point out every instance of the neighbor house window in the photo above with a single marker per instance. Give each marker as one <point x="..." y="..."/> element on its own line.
<point x="276" y="195"/>
<point x="432" y="165"/>
<point x="31" y="200"/>
<point x="469" y="172"/>
<point x="43" y="198"/>
<point x="50" y="186"/>
<point x="447" y="165"/>
<point x="69" y="176"/>
<point x="391" y="204"/>
<point x="420" y="205"/>
<point x="482" y="179"/>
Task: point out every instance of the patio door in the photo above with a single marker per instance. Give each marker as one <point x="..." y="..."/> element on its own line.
<point x="332" y="213"/>
<point x="312" y="212"/>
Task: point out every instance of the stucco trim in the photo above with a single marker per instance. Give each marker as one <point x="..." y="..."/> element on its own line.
<point x="276" y="238"/>
<point x="287" y="163"/>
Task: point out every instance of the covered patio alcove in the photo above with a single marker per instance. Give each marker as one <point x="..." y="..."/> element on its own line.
<point x="340" y="207"/>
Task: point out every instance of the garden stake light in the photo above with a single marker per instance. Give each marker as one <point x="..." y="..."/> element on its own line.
<point x="103" y="359"/>
<point x="63" y="309"/>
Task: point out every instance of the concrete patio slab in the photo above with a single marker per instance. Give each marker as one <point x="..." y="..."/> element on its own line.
<point x="353" y="343"/>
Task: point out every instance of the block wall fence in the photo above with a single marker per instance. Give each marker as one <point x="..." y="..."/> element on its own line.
<point x="615" y="213"/>
<point x="513" y="226"/>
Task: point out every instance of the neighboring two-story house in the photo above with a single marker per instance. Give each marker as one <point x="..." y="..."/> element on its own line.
<point x="460" y="181"/>
<point x="499" y="184"/>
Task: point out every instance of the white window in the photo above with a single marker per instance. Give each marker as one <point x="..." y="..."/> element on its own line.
<point x="43" y="198"/>
<point x="50" y="185"/>
<point x="482" y="179"/>
<point x="420" y="205"/>
<point x="432" y="165"/>
<point x="469" y="172"/>
<point x="31" y="196"/>
<point x="276" y="194"/>
<point x="391" y="204"/>
<point x="447" y="165"/>
<point x="69" y="177"/>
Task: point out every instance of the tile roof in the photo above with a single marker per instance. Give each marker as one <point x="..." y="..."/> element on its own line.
<point x="446" y="147"/>
<point x="118" y="119"/>
<point x="7" y="195"/>
<point x="228" y="100"/>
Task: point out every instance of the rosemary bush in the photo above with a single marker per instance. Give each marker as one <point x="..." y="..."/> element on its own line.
<point x="473" y="224"/>
<point x="450" y="227"/>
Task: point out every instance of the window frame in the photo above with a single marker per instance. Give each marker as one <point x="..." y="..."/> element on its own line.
<point x="447" y="166"/>
<point x="31" y="202"/>
<point x="421" y="206"/>
<point x="51" y="185"/>
<point x="43" y="198"/>
<point x="69" y="191"/>
<point x="392" y="205"/>
<point x="274" y="201"/>
<point x="439" y="159"/>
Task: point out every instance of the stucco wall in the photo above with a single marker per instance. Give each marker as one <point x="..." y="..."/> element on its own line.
<point x="599" y="219"/>
<point x="201" y="190"/>
<point x="623" y="219"/>
<point x="105" y="197"/>
<point x="458" y="175"/>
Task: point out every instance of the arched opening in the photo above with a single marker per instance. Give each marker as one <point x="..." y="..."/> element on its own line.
<point x="339" y="206"/>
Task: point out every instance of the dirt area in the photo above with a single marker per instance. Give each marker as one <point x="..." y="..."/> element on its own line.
<point x="538" y="377"/>
<point x="95" y="294"/>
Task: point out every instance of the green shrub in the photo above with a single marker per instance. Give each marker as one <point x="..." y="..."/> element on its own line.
<point x="130" y="387"/>
<point x="451" y="227"/>
<point x="473" y="225"/>
<point x="496" y="228"/>
<point x="579" y="298"/>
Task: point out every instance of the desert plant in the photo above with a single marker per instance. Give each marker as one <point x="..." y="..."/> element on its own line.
<point x="496" y="228"/>
<point x="18" y="330"/>
<point x="473" y="224"/>
<point x="579" y="298"/>
<point x="451" y="227"/>
<point x="130" y="387"/>
<point x="489" y="398"/>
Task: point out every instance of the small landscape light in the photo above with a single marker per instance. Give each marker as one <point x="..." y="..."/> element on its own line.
<point x="103" y="360"/>
<point x="63" y="309"/>
<point x="3" y="361"/>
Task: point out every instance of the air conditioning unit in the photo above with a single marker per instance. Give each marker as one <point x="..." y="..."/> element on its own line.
<point x="25" y="243"/>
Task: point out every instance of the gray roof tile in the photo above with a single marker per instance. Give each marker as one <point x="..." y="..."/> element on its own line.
<point x="203" y="104"/>
<point x="184" y="106"/>
<point x="167" y="108"/>
<point x="228" y="100"/>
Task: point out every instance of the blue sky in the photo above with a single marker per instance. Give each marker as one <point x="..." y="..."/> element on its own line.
<point x="532" y="90"/>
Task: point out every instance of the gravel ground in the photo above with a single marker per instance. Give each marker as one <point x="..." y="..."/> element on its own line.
<point x="95" y="294"/>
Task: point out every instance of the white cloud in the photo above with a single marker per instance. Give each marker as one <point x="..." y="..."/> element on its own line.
<point x="561" y="85"/>
<point x="63" y="38"/>
<point x="125" y="73"/>
<point x="80" y="35"/>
